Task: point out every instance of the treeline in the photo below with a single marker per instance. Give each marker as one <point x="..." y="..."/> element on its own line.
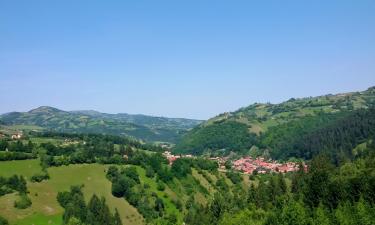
<point x="325" y="195"/>
<point x="16" y="146"/>
<point x="228" y="136"/>
<point x="119" y="140"/>
<point x="16" y="150"/>
<point x="7" y="156"/>
<point x="79" y="148"/>
<point x="335" y="134"/>
<point x="96" y="212"/>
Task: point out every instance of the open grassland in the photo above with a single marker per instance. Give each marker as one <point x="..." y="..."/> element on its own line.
<point x="45" y="208"/>
<point x="26" y="168"/>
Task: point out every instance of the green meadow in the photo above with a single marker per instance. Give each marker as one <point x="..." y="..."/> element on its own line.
<point x="45" y="208"/>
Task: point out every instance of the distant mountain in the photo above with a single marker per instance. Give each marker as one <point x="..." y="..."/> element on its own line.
<point x="249" y="126"/>
<point x="147" y="128"/>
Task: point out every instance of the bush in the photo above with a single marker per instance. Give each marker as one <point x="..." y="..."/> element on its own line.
<point x="39" y="177"/>
<point x="23" y="203"/>
<point x="234" y="177"/>
<point x="150" y="173"/>
<point x="112" y="173"/>
<point x="5" y="190"/>
<point x="3" y="221"/>
<point x="161" y="186"/>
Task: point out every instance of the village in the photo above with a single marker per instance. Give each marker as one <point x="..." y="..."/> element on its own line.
<point x="246" y="165"/>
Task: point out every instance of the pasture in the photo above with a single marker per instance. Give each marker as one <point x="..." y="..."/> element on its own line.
<point x="45" y="208"/>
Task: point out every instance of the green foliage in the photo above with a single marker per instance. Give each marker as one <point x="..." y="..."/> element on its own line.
<point x="3" y="221"/>
<point x="112" y="173"/>
<point x="235" y="177"/>
<point x="37" y="178"/>
<point x="335" y="134"/>
<point x="278" y="125"/>
<point x="24" y="202"/>
<point x="181" y="167"/>
<point x="150" y="173"/>
<point x="230" y="135"/>
<point x="78" y="213"/>
<point x="122" y="187"/>
<point x="7" y="156"/>
<point x="245" y="217"/>
<point x="161" y="186"/>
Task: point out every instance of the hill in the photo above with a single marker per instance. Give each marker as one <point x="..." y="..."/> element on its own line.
<point x="147" y="128"/>
<point x="143" y="188"/>
<point x="250" y="124"/>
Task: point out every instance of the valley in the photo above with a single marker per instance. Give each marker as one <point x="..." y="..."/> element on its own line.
<point x="220" y="172"/>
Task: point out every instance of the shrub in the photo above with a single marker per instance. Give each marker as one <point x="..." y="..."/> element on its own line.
<point x="3" y="221"/>
<point x="39" y="177"/>
<point x="161" y="186"/>
<point x="23" y="203"/>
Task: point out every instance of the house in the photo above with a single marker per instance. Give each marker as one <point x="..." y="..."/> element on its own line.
<point x="16" y="136"/>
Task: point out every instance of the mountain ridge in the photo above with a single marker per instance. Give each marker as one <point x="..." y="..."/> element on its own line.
<point x="147" y="128"/>
<point x="260" y="117"/>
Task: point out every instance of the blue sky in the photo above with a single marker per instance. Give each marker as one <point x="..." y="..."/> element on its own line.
<point x="191" y="59"/>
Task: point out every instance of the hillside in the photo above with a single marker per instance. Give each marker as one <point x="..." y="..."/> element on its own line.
<point x="142" y="127"/>
<point x="77" y="181"/>
<point x="259" y="119"/>
<point x="95" y="164"/>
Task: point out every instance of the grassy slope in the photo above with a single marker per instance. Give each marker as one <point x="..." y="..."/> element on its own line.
<point x="45" y="208"/>
<point x="260" y="117"/>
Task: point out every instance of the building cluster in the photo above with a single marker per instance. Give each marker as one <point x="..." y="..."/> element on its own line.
<point x="17" y="136"/>
<point x="248" y="165"/>
<point x="171" y="158"/>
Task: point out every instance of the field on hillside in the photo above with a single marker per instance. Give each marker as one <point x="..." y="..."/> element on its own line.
<point x="45" y="208"/>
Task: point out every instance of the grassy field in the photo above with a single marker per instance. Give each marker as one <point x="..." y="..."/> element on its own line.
<point x="45" y="209"/>
<point x="27" y="168"/>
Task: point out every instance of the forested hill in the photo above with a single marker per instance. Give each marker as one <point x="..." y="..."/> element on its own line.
<point x="147" y="128"/>
<point x="260" y="125"/>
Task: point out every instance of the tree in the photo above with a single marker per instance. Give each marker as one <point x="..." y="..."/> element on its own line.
<point x="159" y="206"/>
<point x="218" y="206"/>
<point x="3" y="221"/>
<point x="160" y="185"/>
<point x="150" y="173"/>
<point x="345" y="214"/>
<point x="294" y="213"/>
<point x="3" y="146"/>
<point x="112" y="173"/>
<point x="282" y="184"/>
<point x="23" y="203"/>
<point x="365" y="214"/>
<point x="321" y="216"/>
<point x="117" y="218"/>
<point x="74" y="221"/>
<point x="316" y="188"/>
<point x="181" y="167"/>
<point x="98" y="212"/>
<point x="122" y="187"/>
<point x="244" y="217"/>
<point x="132" y="173"/>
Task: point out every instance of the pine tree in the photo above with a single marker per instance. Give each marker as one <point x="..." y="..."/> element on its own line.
<point x="116" y="218"/>
<point x="321" y="216"/>
<point x="94" y="208"/>
<point x="294" y="213"/>
<point x="365" y="214"/>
